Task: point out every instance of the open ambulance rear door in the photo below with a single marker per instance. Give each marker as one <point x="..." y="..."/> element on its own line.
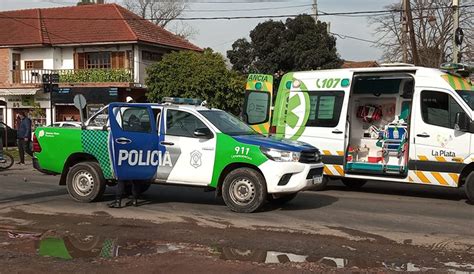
<point x="258" y="101"/>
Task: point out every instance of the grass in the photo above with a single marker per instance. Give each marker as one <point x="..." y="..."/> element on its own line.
<point x="13" y="151"/>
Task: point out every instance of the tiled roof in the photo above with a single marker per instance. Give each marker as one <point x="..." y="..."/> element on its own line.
<point x="83" y="25"/>
<point x="360" y="64"/>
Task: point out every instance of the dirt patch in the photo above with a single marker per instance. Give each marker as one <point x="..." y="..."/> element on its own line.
<point x="109" y="244"/>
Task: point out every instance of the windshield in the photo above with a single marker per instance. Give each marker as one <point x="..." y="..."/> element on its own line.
<point x="468" y="97"/>
<point x="227" y="123"/>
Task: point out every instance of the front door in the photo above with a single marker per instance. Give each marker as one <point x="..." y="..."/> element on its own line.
<point x="440" y="149"/>
<point x="192" y="157"/>
<point x="134" y="142"/>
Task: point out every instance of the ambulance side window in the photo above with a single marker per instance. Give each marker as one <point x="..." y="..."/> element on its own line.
<point x="325" y="108"/>
<point x="181" y="123"/>
<point x="439" y="108"/>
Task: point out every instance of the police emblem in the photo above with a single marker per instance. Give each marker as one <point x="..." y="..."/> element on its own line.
<point x="196" y="159"/>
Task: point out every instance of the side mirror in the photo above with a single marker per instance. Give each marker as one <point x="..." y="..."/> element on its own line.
<point x="203" y="133"/>
<point x="462" y="122"/>
<point x="245" y="118"/>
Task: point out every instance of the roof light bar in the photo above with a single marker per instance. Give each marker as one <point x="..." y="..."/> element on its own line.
<point x="181" y="101"/>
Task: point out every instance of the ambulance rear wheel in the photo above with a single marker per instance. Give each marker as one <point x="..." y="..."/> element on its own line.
<point x="469" y="187"/>
<point x="244" y="190"/>
<point x="85" y="182"/>
<point x="353" y="183"/>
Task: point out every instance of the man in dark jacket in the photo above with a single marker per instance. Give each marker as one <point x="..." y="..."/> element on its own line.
<point x="24" y="137"/>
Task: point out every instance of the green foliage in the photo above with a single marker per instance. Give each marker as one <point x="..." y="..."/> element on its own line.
<point x="95" y="75"/>
<point x="276" y="47"/>
<point x="190" y="74"/>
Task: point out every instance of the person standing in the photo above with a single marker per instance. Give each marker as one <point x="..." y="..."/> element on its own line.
<point x="120" y="190"/>
<point x="24" y="137"/>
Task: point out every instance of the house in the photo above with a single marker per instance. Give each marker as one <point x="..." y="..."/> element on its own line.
<point x="100" y="51"/>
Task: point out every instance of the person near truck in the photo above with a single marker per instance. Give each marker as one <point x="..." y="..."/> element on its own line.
<point x="119" y="192"/>
<point x="24" y="137"/>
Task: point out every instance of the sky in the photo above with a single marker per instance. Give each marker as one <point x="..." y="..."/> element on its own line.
<point x="220" y="34"/>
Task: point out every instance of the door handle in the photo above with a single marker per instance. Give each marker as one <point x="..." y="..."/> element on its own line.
<point x="208" y="148"/>
<point x="337" y="131"/>
<point x="423" y="135"/>
<point x="123" y="141"/>
<point x="167" y="143"/>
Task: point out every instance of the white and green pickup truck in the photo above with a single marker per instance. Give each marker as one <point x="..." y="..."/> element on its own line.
<point x="189" y="145"/>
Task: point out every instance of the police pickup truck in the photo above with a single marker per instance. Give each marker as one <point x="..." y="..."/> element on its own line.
<point x="172" y="143"/>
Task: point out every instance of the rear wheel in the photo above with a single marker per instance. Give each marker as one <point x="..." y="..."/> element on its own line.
<point x="281" y="199"/>
<point x="244" y="190"/>
<point x="6" y="161"/>
<point x="85" y="182"/>
<point x="353" y="183"/>
<point x="469" y="187"/>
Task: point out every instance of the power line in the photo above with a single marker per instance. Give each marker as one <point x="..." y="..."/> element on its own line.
<point x="345" y="36"/>
<point x="373" y="12"/>
<point x="254" y="9"/>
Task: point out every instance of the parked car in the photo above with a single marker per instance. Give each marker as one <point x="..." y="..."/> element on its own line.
<point x="66" y="124"/>
<point x="10" y="133"/>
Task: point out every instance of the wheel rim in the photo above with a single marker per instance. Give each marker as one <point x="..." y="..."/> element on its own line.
<point x="83" y="183"/>
<point x="242" y="191"/>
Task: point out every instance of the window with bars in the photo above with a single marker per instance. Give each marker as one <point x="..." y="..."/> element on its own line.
<point x="98" y="60"/>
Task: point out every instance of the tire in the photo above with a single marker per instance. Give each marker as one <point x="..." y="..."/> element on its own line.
<point x="85" y="182"/>
<point x="283" y="199"/>
<point x="353" y="183"/>
<point x="469" y="187"/>
<point x="7" y="161"/>
<point x="244" y="190"/>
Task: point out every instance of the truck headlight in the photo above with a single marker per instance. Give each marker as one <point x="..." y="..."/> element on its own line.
<point x="280" y="155"/>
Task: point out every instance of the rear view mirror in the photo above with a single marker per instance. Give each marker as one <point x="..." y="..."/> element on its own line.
<point x="203" y="133"/>
<point x="462" y="122"/>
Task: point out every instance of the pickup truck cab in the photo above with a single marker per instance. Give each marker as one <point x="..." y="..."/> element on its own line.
<point x="189" y="145"/>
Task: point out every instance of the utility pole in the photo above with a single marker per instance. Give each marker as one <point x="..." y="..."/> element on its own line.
<point x="455" y="27"/>
<point x="315" y="10"/>
<point x="404" y="32"/>
<point x="414" y="48"/>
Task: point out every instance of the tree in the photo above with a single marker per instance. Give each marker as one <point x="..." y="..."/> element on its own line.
<point x="192" y="74"/>
<point x="433" y="26"/>
<point x="276" y="47"/>
<point x="162" y="13"/>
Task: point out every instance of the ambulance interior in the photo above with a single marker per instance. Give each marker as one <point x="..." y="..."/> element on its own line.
<point x="379" y="112"/>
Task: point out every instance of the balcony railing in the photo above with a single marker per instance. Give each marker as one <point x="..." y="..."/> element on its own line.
<point x="35" y="76"/>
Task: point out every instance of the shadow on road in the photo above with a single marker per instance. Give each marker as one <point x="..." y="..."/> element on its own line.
<point x="33" y="196"/>
<point x="399" y="189"/>
<point x="304" y="201"/>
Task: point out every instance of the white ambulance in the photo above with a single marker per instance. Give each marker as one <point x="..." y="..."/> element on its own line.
<point x="395" y="123"/>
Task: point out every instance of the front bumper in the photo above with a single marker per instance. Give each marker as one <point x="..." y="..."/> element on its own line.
<point x="290" y="177"/>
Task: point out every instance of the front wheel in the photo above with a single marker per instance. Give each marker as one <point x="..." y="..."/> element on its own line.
<point x="85" y="182"/>
<point x="353" y="183"/>
<point x="244" y="190"/>
<point x="469" y="187"/>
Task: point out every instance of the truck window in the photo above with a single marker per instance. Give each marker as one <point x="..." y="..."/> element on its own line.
<point x="135" y="119"/>
<point x="181" y="123"/>
<point x="100" y="119"/>
<point x="257" y="107"/>
<point x="439" y="108"/>
<point x="325" y="108"/>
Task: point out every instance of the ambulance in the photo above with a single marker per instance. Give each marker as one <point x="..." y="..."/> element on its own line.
<point x="180" y="142"/>
<point x="397" y="123"/>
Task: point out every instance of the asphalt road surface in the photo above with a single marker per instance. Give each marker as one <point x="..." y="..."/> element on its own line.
<point x="387" y="215"/>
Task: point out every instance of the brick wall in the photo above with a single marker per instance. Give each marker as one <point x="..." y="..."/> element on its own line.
<point x="4" y="67"/>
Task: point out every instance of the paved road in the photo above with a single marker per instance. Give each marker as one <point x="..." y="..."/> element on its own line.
<point x="435" y="217"/>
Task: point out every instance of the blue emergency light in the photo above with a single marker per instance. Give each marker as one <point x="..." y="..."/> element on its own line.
<point x="182" y="101"/>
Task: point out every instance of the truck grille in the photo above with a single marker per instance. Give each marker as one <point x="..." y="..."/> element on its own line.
<point x="310" y="156"/>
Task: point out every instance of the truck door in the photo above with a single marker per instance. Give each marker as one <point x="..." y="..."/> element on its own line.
<point x="191" y="145"/>
<point x="134" y="142"/>
<point x="258" y="101"/>
<point x="317" y="114"/>
<point x="439" y="148"/>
